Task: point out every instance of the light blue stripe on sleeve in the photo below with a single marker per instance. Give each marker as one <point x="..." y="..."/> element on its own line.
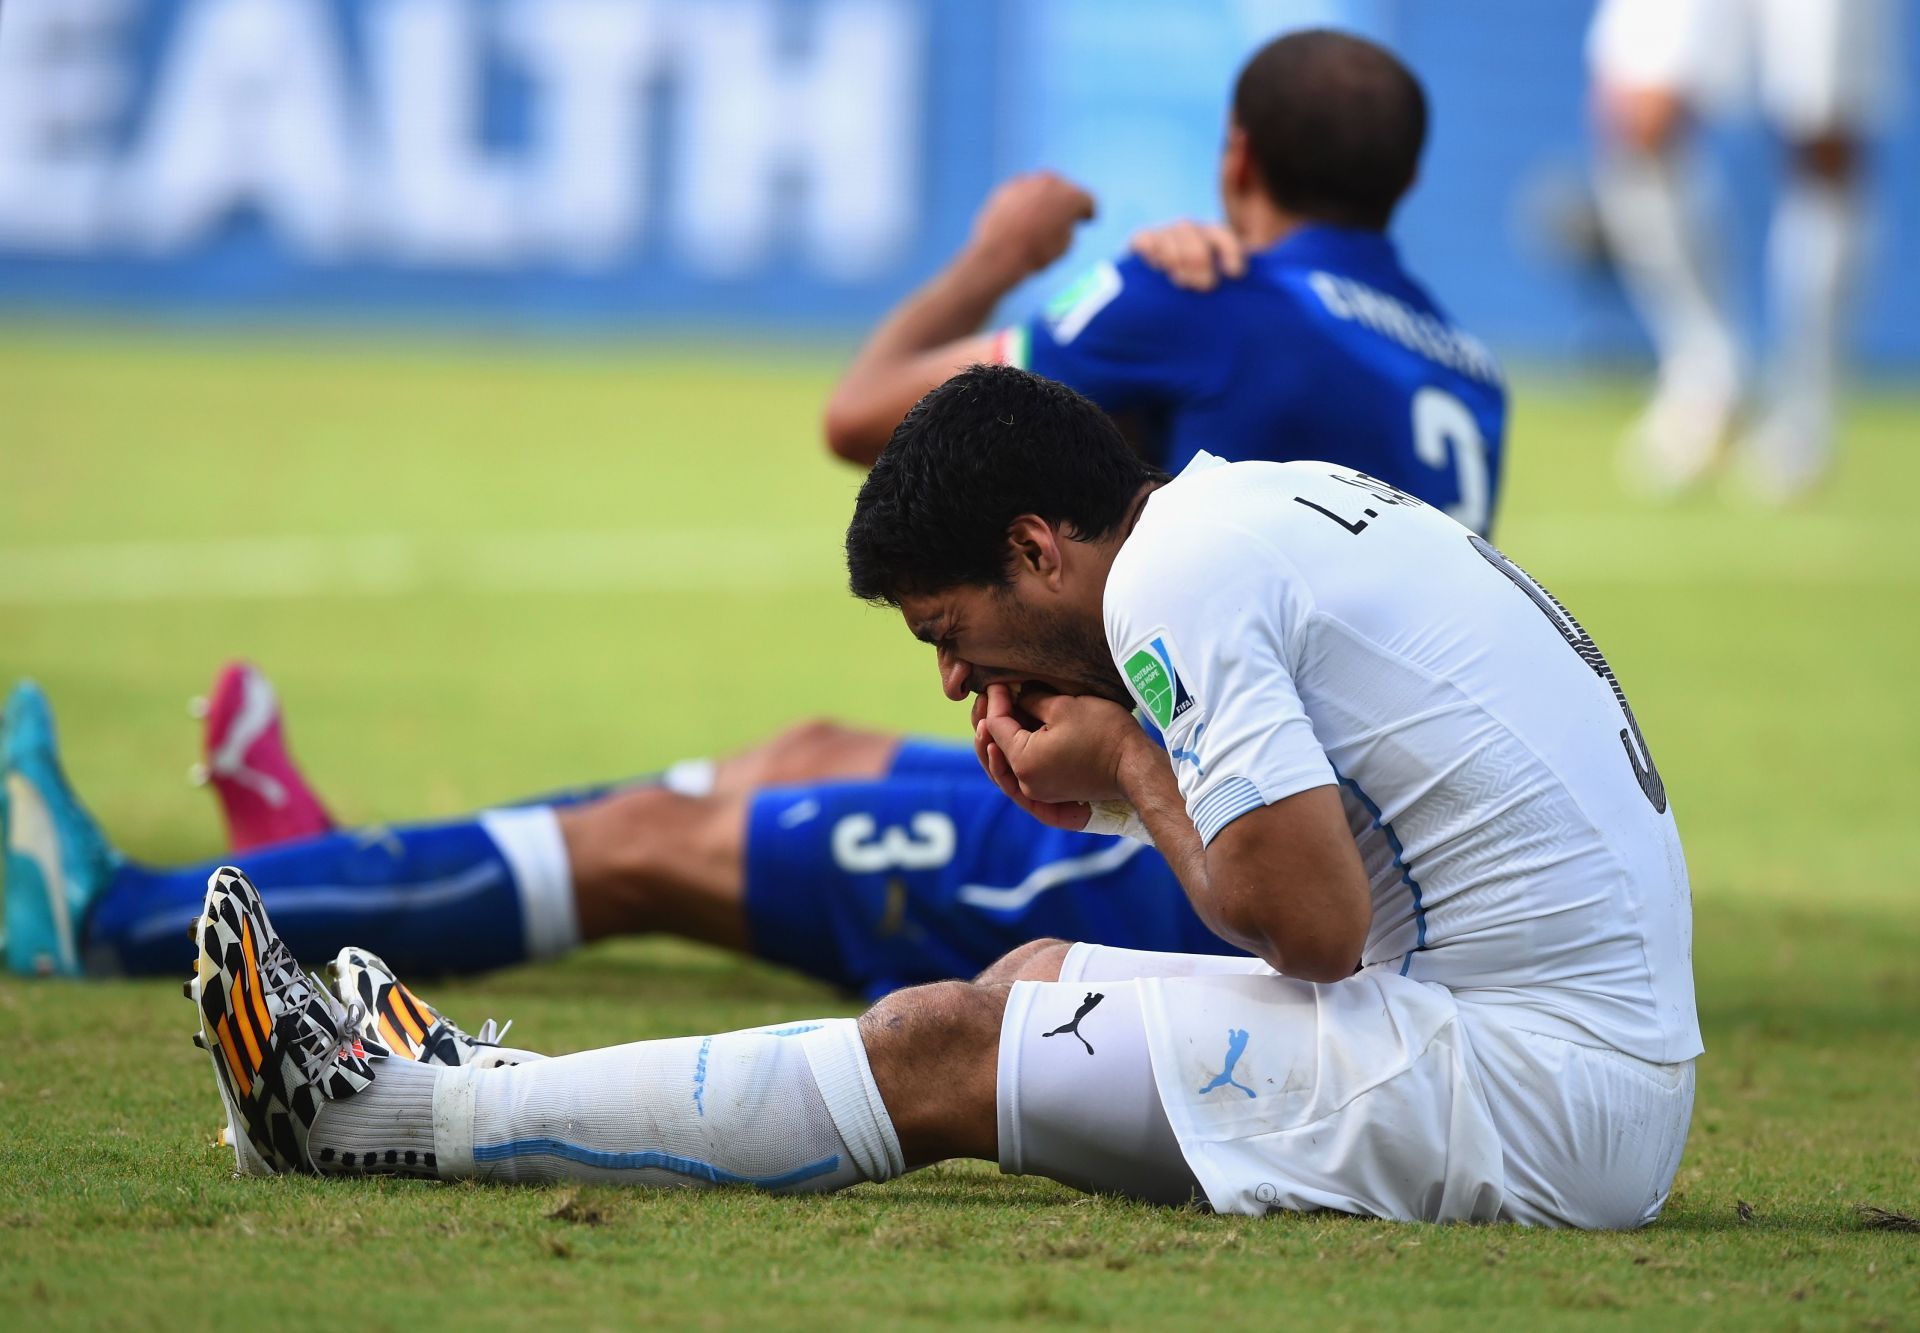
<point x="1224" y="804"/>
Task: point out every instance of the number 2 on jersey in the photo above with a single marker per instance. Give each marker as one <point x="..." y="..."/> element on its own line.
<point x="1442" y="426"/>
<point x="1582" y="643"/>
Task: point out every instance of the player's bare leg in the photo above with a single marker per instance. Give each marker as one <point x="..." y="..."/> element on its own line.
<point x="654" y="859"/>
<point x="1651" y="216"/>
<point x="934" y="1052"/>
<point x="1036" y="960"/>
<point x="650" y="860"/>
<point x="818" y="750"/>
<point x="1812" y="255"/>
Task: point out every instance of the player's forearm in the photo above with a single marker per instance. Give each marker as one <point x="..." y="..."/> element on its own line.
<point x="1234" y="889"/>
<point x="1146" y="778"/>
<point x="892" y="369"/>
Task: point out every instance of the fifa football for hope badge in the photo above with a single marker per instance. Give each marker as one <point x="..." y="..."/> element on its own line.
<point x="1155" y="681"/>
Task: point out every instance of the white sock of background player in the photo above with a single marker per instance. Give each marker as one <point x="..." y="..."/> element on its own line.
<point x="1812" y="254"/>
<point x="1653" y="222"/>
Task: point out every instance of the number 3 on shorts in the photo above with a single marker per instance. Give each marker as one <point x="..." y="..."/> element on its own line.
<point x="862" y="847"/>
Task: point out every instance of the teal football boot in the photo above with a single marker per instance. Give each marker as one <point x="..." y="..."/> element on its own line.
<point x="57" y="859"/>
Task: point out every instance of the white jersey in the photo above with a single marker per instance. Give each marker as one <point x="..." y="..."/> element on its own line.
<point x="1296" y="625"/>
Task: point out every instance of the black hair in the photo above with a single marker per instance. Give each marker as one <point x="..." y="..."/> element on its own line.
<point x="1334" y="123"/>
<point x="977" y="452"/>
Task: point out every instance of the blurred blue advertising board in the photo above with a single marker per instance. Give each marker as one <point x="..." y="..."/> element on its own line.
<point x="594" y="158"/>
<point x="765" y="164"/>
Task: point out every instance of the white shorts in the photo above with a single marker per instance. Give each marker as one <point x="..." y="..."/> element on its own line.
<point x="1815" y="66"/>
<point x="1167" y="1075"/>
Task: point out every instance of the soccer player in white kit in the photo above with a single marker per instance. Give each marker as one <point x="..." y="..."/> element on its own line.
<point x="1821" y="71"/>
<point x="1395" y="770"/>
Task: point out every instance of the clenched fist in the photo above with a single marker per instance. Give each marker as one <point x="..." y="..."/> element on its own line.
<point x="1054" y="754"/>
<point x="1028" y="222"/>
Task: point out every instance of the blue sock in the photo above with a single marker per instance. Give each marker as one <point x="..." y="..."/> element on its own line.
<point x="466" y="896"/>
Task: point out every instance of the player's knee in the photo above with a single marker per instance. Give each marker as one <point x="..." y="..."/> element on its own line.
<point x="632" y="829"/>
<point x="938" y="1025"/>
<point x="1036" y="960"/>
<point x="804" y="751"/>
<point x="1644" y="120"/>
<point x="934" y="1053"/>
<point x="635" y="807"/>
<point x="1833" y="158"/>
<point x="809" y="737"/>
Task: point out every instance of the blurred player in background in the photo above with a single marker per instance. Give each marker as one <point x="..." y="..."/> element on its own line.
<point x="1819" y="68"/>
<point x="868" y="859"/>
<point x="1319" y="344"/>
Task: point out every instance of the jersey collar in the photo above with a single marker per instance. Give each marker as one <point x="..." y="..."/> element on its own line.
<point x="1202" y="461"/>
<point x="1323" y="243"/>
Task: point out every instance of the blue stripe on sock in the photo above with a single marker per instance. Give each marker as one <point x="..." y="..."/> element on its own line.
<point x="639" y="1161"/>
<point x="700" y="1077"/>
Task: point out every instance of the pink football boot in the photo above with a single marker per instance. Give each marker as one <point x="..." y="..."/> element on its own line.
<point x="261" y="792"/>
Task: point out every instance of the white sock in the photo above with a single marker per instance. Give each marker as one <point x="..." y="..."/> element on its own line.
<point x="496" y="1054"/>
<point x="384" y="1128"/>
<point x="792" y="1109"/>
<point x="1651" y="219"/>
<point x="529" y="839"/>
<point x="691" y="777"/>
<point x="1811" y="256"/>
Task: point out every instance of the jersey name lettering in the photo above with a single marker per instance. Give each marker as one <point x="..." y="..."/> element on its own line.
<point x="1349" y="299"/>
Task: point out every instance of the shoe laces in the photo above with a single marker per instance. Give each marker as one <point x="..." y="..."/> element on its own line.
<point x="491" y="1034"/>
<point x="321" y="1034"/>
<point x="325" y="1045"/>
<point x="281" y="971"/>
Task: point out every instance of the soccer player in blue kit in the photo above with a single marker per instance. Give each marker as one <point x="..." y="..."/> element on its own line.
<point x="862" y="858"/>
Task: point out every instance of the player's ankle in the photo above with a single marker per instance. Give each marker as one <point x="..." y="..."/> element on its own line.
<point x="386" y="1128"/>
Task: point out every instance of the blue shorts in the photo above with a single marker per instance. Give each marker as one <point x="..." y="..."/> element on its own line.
<point x="931" y="873"/>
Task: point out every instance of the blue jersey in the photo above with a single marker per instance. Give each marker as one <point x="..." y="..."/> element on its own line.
<point x="1326" y="350"/>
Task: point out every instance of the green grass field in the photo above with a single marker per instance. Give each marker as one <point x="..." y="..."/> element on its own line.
<point x="482" y="571"/>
